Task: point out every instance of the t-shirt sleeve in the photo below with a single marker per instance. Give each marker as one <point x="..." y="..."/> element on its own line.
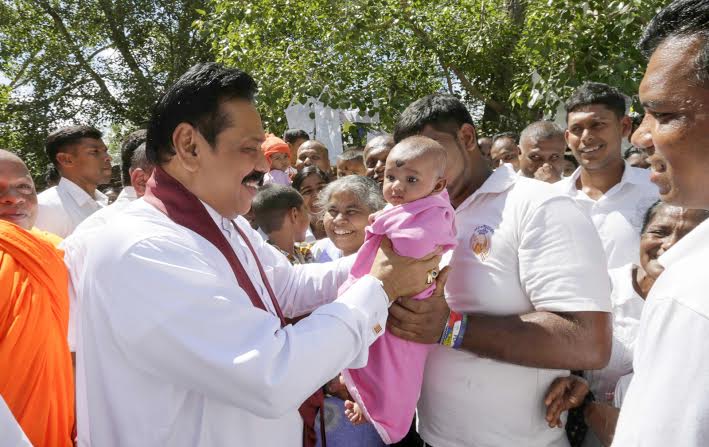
<point x="562" y="265"/>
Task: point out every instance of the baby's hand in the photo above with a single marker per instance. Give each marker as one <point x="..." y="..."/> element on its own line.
<point x="354" y="413"/>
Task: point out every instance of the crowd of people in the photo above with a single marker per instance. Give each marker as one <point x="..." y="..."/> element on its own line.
<point x="433" y="288"/>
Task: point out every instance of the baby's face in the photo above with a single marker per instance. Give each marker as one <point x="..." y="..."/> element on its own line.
<point x="280" y="161"/>
<point x="406" y="181"/>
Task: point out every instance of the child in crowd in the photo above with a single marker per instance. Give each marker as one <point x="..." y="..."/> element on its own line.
<point x="418" y="220"/>
<point x="280" y="212"/>
<point x="351" y="162"/>
<point x="277" y="153"/>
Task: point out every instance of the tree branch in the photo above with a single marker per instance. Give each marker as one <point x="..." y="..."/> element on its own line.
<point x="59" y="24"/>
<point x="469" y="87"/>
<point x="121" y="43"/>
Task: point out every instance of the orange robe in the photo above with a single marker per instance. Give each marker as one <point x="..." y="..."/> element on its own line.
<point x="36" y="378"/>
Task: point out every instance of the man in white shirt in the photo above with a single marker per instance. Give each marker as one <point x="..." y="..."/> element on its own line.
<point x="83" y="162"/>
<point x="614" y="194"/>
<point x="542" y="146"/>
<point x="667" y="403"/>
<point x="181" y="335"/>
<point x="128" y="148"/>
<point x="505" y="150"/>
<point x="530" y="275"/>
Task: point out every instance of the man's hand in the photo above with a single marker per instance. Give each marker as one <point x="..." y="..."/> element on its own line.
<point x="564" y="394"/>
<point x="421" y="321"/>
<point x="548" y="174"/>
<point x="403" y="276"/>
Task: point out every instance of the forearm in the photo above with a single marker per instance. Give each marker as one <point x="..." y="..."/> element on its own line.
<point x="602" y="419"/>
<point x="579" y="340"/>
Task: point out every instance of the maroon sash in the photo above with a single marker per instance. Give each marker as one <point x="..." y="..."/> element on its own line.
<point x="170" y="197"/>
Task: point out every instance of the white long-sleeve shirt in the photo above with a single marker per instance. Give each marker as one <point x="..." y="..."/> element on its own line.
<point x="172" y="352"/>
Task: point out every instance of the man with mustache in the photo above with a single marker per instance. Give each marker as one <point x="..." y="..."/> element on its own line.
<point x="82" y="159"/>
<point x="614" y="194"/>
<point x="668" y="399"/>
<point x="182" y="335"/>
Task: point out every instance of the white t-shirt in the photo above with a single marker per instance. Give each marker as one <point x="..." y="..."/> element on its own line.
<point x="667" y="403"/>
<point x="521" y="247"/>
<point x="63" y="207"/>
<point x="172" y="352"/>
<point x="627" y="308"/>
<point x="618" y="214"/>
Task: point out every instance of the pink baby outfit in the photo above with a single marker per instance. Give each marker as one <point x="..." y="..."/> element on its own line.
<point x="276" y="176"/>
<point x="388" y="388"/>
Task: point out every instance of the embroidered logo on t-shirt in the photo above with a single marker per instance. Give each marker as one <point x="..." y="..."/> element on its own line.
<point x="481" y="241"/>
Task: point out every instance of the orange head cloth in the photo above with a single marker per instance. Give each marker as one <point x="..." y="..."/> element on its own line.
<point x="36" y="379"/>
<point x="273" y="145"/>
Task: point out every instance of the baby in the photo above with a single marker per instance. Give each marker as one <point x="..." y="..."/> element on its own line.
<point x="277" y="153"/>
<point x="418" y="219"/>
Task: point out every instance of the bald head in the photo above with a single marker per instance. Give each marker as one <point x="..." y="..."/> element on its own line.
<point x="419" y="148"/>
<point x="18" y="197"/>
<point x="313" y="153"/>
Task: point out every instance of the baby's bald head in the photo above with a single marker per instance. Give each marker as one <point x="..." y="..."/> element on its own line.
<point x="419" y="150"/>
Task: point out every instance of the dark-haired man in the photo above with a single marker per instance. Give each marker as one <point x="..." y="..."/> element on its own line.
<point x="505" y="150"/>
<point x="82" y="159"/>
<point x="375" y="156"/>
<point x="614" y="194"/>
<point x="485" y="145"/>
<point x="128" y="147"/>
<point x="182" y="335"/>
<point x="636" y="157"/>
<point x="535" y="296"/>
<point x="542" y="147"/>
<point x="667" y="403"/>
<point x="294" y="138"/>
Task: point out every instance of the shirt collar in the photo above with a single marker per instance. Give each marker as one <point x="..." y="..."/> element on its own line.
<point x="222" y="222"/>
<point x="127" y="193"/>
<point x="631" y="175"/>
<point x="499" y="181"/>
<point x="79" y="195"/>
<point x="694" y="240"/>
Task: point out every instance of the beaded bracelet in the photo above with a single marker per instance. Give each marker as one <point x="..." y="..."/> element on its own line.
<point x="454" y="331"/>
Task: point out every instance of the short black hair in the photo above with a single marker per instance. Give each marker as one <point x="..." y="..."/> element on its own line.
<point x="351" y="154"/>
<point x="632" y="150"/>
<point x="195" y="98"/>
<point x="307" y="172"/>
<point x="445" y="113"/>
<point x="510" y="135"/>
<point x="597" y="93"/>
<point x="272" y="203"/>
<point x="61" y="139"/>
<point x="128" y="146"/>
<point x="681" y="18"/>
<point x="293" y="135"/>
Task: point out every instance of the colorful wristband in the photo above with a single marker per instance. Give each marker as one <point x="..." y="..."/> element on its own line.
<point x="454" y="331"/>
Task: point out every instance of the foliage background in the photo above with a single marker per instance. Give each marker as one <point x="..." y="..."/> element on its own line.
<point x="106" y="61"/>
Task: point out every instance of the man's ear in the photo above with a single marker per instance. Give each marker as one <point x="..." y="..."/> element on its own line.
<point x="626" y="124"/>
<point x="138" y="180"/>
<point x="293" y="215"/>
<point x="184" y="141"/>
<point x="65" y="159"/>
<point x="468" y="137"/>
<point x="440" y="185"/>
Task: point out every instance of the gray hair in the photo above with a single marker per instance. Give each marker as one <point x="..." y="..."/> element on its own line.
<point x="542" y="130"/>
<point x="364" y="188"/>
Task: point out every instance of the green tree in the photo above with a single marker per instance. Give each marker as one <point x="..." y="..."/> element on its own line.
<point x="98" y="61"/>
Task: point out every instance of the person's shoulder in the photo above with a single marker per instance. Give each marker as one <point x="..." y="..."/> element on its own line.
<point x="49" y="198"/>
<point x="534" y="193"/>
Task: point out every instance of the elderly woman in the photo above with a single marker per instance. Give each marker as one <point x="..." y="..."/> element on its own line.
<point x="663" y="226"/>
<point x="345" y="206"/>
<point x="309" y="182"/>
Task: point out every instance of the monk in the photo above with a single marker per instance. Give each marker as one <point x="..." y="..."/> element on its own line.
<point x="36" y="378"/>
